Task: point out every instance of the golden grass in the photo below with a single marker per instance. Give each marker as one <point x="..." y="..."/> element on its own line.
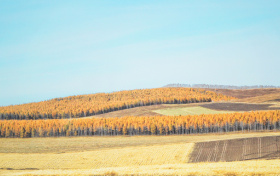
<point x="145" y="110"/>
<point x="141" y="155"/>
<point x="195" y="110"/>
<point x="256" y="167"/>
<point x="79" y="144"/>
<point x="104" y="158"/>
<point x="127" y="156"/>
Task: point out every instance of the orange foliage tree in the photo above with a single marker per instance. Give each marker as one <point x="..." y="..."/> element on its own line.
<point x="88" y="105"/>
<point x="152" y="125"/>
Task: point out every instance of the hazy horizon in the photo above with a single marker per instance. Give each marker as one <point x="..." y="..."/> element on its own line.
<point x="268" y="86"/>
<point x="51" y="49"/>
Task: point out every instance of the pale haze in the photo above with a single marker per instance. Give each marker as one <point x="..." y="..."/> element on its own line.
<point x="52" y="49"/>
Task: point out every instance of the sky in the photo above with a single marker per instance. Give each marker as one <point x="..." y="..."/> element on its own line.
<point x="52" y="49"/>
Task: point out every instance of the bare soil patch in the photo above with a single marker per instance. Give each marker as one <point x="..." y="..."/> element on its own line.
<point x="277" y="100"/>
<point x="237" y="150"/>
<point x="239" y="106"/>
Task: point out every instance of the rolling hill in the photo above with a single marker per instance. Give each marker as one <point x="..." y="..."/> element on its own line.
<point x="92" y="104"/>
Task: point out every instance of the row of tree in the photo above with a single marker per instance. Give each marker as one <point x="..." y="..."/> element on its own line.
<point x="88" y="105"/>
<point x="154" y="125"/>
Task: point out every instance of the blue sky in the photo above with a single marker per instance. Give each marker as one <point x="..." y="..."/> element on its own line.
<point x="54" y="49"/>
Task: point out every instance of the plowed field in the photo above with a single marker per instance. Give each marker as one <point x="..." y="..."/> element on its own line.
<point x="237" y="150"/>
<point x="238" y="106"/>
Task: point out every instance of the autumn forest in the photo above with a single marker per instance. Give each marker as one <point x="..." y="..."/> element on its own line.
<point x="62" y="116"/>
<point x="88" y="105"/>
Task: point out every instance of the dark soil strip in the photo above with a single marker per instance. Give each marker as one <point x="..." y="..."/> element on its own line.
<point x="237" y="150"/>
<point x="238" y="106"/>
<point x="277" y="100"/>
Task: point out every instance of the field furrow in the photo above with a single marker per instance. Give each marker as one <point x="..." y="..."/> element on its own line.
<point x="236" y="150"/>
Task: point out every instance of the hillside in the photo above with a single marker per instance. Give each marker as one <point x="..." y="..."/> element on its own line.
<point x="92" y="104"/>
<point x="259" y="99"/>
<point x="217" y="86"/>
<point x="246" y="93"/>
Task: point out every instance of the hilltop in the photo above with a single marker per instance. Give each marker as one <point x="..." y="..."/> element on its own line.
<point x="216" y="86"/>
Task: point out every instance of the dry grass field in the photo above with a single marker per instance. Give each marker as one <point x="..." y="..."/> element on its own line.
<point x="195" y="110"/>
<point x="79" y="144"/>
<point x="145" y="110"/>
<point x="192" y="109"/>
<point x="142" y="155"/>
<point x="245" y="168"/>
<point x="102" y="158"/>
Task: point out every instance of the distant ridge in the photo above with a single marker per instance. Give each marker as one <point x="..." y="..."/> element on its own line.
<point x="214" y="86"/>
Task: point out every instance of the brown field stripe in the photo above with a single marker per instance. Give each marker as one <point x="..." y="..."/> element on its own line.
<point x="249" y="147"/>
<point x="195" y="152"/>
<point x="210" y="152"/>
<point x="244" y="157"/>
<point x="216" y="151"/>
<point x="277" y="144"/>
<point x="260" y="147"/>
<point x="199" y="152"/>
<point x="224" y="151"/>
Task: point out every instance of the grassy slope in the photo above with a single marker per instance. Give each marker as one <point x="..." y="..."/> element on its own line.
<point x="79" y="144"/>
<point x="163" y="109"/>
<point x="123" y="155"/>
<point x="196" y="110"/>
<point x="145" y="110"/>
<point x="103" y="158"/>
<point x="253" y="168"/>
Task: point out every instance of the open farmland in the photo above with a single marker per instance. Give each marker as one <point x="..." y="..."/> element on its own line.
<point x="195" y="110"/>
<point x="162" y="109"/>
<point x="191" y="109"/>
<point x="244" y="168"/>
<point x="216" y="108"/>
<point x="143" y="155"/>
<point x="75" y="144"/>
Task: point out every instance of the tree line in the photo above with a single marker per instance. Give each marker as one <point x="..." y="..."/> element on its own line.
<point x="146" y="125"/>
<point x="92" y="104"/>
